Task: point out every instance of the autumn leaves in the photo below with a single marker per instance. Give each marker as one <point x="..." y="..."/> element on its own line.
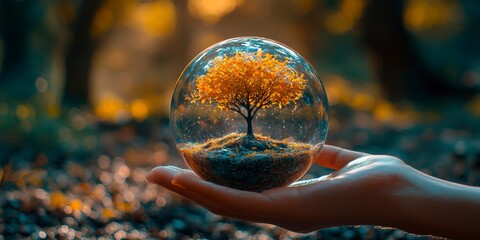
<point x="247" y="82"/>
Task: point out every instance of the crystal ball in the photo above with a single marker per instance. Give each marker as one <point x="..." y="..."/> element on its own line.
<point x="249" y="113"/>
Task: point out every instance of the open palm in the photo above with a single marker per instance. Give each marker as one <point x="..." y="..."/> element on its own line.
<point x="359" y="192"/>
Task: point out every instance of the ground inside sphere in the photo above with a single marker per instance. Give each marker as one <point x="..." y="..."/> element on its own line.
<point x="227" y="162"/>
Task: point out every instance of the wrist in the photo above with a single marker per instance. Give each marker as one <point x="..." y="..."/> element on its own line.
<point x="431" y="206"/>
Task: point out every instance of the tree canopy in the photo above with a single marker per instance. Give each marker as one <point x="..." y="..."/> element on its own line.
<point x="247" y="82"/>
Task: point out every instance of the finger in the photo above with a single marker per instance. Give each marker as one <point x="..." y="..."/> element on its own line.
<point x="309" y="181"/>
<point x="336" y="158"/>
<point x="229" y="202"/>
<point x="200" y="191"/>
<point x="228" y="197"/>
<point x="164" y="176"/>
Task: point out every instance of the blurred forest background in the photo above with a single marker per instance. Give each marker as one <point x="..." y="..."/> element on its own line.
<point x="85" y="88"/>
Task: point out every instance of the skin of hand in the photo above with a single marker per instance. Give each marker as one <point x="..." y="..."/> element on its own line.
<point x="364" y="190"/>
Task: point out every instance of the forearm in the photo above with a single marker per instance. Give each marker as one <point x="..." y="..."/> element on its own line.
<point x="433" y="206"/>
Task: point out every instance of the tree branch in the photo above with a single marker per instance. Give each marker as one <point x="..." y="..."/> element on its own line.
<point x="255" y="112"/>
<point x="261" y="106"/>
<point x="264" y="101"/>
<point x="236" y="109"/>
<point x="259" y="99"/>
<point x="239" y="101"/>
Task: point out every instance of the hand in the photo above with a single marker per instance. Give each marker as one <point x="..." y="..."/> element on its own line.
<point x="344" y="197"/>
<point x="364" y="189"/>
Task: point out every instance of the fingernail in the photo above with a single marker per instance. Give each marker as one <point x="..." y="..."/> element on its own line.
<point x="186" y="179"/>
<point x="162" y="174"/>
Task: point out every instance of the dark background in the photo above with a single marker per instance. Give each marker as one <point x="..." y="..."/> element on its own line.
<point x="85" y="89"/>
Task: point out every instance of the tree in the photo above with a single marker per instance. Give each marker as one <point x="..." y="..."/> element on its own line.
<point x="402" y="71"/>
<point x="79" y="55"/>
<point x="247" y="82"/>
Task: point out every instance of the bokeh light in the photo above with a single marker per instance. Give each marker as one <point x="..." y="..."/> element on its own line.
<point x="85" y="90"/>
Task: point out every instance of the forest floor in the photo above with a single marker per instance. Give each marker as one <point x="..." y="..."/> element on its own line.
<point x="102" y="193"/>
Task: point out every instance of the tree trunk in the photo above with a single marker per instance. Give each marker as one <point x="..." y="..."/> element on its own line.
<point x="79" y="56"/>
<point x="249" y="140"/>
<point x="399" y="68"/>
<point x="21" y="64"/>
<point x="249" y="119"/>
<point x="249" y="127"/>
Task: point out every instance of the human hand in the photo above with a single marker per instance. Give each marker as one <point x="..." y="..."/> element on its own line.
<point x="362" y="183"/>
<point x="364" y="190"/>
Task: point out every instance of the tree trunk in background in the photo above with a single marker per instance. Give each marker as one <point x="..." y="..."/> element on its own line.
<point x="397" y="64"/>
<point x="19" y="68"/>
<point x="79" y="56"/>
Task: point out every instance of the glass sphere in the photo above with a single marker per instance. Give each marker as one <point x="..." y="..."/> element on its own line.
<point x="249" y="113"/>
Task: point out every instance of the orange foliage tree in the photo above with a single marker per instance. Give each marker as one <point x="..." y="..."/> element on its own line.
<point x="247" y="82"/>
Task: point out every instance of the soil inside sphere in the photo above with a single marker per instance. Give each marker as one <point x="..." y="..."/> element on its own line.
<point x="226" y="161"/>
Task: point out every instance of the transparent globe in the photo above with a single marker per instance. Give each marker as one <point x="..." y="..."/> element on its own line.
<point x="249" y="113"/>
